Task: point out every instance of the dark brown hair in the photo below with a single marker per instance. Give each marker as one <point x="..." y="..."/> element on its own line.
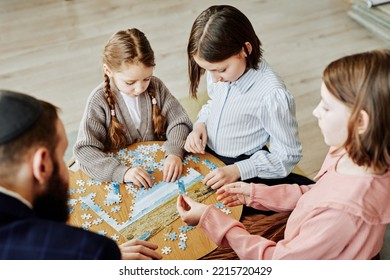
<point x="128" y="46"/>
<point x="362" y="82"/>
<point x="43" y="133"/>
<point x="218" y="33"/>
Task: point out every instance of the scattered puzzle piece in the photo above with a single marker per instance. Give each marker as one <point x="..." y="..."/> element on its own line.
<point x="80" y="183"/>
<point x="166" y="250"/>
<point x="115" y="237"/>
<point x="182" y="245"/>
<point x="97" y="221"/>
<point x="183" y="236"/>
<point x="172" y="236"/>
<point x="86" y="216"/>
<point x="86" y="225"/>
<point x="226" y="211"/>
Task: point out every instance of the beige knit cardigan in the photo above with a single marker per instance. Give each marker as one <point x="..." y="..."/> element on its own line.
<point x="91" y="148"/>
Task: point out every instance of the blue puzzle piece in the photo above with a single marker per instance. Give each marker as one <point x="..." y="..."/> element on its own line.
<point x="180" y="185"/>
<point x="145" y="236"/>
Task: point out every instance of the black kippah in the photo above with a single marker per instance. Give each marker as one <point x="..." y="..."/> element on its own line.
<point x="18" y="112"/>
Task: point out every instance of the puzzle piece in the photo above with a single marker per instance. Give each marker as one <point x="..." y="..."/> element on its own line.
<point x="181" y="186"/>
<point x="86" y="225"/>
<point x="72" y="202"/>
<point x="166" y="250"/>
<point x="97" y="221"/>
<point x="80" y="183"/>
<point x="115" y="237"/>
<point x="81" y="190"/>
<point x="172" y="236"/>
<point x="86" y="216"/>
<point x="219" y="205"/>
<point x="182" y="245"/>
<point x="226" y="211"/>
<point x="183" y="236"/>
<point x="145" y="236"/>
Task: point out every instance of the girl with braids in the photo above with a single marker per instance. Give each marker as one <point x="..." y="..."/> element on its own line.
<point x="130" y="106"/>
<point x="344" y="214"/>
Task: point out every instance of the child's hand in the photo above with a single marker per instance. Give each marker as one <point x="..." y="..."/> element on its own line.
<point x="221" y="176"/>
<point x="197" y="139"/>
<point x="189" y="210"/>
<point x="138" y="176"/>
<point x="173" y="166"/>
<point x="234" y="194"/>
<point x="139" y="250"/>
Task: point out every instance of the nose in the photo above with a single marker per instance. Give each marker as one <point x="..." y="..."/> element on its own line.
<point x="316" y="112"/>
<point x="139" y="88"/>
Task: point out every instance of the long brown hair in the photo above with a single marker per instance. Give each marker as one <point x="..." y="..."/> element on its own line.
<point x="218" y="33"/>
<point x="362" y="82"/>
<point x="128" y="46"/>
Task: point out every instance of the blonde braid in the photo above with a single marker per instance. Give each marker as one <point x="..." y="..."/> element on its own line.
<point x="116" y="132"/>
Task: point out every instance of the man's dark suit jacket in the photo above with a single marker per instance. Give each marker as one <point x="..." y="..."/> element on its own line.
<point x="25" y="236"/>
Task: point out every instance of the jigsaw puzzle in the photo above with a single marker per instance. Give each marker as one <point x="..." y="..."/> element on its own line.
<point x="134" y="211"/>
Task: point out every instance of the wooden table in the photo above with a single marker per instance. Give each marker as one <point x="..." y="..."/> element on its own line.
<point x="108" y="207"/>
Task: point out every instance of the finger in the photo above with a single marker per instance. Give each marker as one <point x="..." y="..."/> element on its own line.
<point x="217" y="184"/>
<point x="176" y="173"/>
<point x="170" y="172"/>
<point x="213" y="180"/>
<point x="204" y="141"/>
<point x="208" y="177"/>
<point x="142" y="242"/>
<point x="144" y="181"/>
<point x="235" y="191"/>
<point x="186" y="202"/>
<point x="180" y="205"/>
<point x="165" y="170"/>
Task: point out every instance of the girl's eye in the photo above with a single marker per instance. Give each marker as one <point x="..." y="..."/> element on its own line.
<point x="221" y="71"/>
<point x="130" y="83"/>
<point x="147" y="80"/>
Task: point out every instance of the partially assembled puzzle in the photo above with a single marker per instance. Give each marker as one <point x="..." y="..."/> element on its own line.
<point x="138" y="212"/>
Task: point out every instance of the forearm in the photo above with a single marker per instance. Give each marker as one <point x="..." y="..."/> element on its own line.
<point x="98" y="165"/>
<point x="227" y="232"/>
<point x="279" y="198"/>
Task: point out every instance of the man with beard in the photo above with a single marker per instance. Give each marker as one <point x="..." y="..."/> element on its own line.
<point x="34" y="190"/>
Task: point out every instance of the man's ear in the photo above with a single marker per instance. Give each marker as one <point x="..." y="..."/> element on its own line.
<point x="107" y="70"/>
<point x="364" y="120"/>
<point x="42" y="165"/>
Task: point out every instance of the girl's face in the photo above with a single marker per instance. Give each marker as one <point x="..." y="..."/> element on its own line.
<point x="228" y="70"/>
<point x="333" y="117"/>
<point x="132" y="79"/>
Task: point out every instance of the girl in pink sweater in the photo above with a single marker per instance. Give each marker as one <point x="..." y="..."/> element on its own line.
<point x="344" y="214"/>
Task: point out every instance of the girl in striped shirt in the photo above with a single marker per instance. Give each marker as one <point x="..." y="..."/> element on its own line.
<point x="249" y="121"/>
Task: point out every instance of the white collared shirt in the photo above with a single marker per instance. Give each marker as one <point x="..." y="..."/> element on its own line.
<point x="243" y="116"/>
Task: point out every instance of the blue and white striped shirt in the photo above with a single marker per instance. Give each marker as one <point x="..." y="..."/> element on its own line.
<point x="242" y="117"/>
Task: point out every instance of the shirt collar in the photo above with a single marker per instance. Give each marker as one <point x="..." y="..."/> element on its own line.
<point x="245" y="82"/>
<point x="15" y="195"/>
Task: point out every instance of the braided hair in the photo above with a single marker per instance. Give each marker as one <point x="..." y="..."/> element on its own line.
<point x="129" y="46"/>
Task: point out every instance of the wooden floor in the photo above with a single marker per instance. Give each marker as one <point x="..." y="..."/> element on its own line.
<point x="52" y="48"/>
